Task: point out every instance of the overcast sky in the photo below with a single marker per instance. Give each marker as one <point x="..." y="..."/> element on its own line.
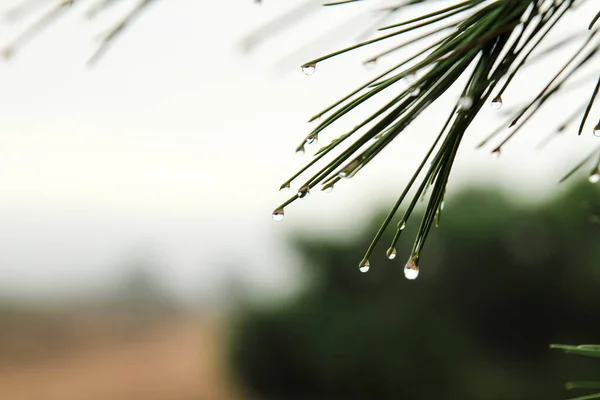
<point x="174" y="145"/>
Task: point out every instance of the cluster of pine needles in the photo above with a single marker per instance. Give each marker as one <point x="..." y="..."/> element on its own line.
<point x="487" y="41"/>
<point x="491" y="41"/>
<point x="585" y="350"/>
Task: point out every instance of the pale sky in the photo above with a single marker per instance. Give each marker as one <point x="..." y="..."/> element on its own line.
<point x="177" y="142"/>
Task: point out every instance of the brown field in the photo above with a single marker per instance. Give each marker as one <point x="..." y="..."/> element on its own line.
<point x="176" y="360"/>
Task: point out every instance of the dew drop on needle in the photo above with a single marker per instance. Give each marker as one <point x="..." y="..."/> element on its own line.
<point x="364" y="266"/>
<point x="278" y="214"/>
<point x="309" y="69"/>
<point x="411" y="270"/>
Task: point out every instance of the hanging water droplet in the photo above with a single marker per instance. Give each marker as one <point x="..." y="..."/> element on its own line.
<point x="497" y="103"/>
<point x="401" y="226"/>
<point x="285" y="187"/>
<point x="370" y="64"/>
<point x="309" y="69"/>
<point x="411" y="270"/>
<point x="597" y="129"/>
<point x="300" y="150"/>
<point x="465" y="102"/>
<point x="364" y="266"/>
<point x="347" y="171"/>
<point x="594" y="176"/>
<point x="391" y="253"/>
<point x="415" y="91"/>
<point x="278" y="214"/>
<point x="303" y="192"/>
<point x="327" y="188"/>
<point x="442" y="206"/>
<point x="496" y="152"/>
<point x="312" y="139"/>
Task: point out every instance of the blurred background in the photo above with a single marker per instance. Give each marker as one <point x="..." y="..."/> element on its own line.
<point x="138" y="257"/>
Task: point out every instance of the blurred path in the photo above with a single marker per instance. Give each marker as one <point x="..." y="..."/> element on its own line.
<point x="178" y="361"/>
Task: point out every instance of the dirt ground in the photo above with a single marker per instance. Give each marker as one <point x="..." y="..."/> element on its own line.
<point x="178" y="360"/>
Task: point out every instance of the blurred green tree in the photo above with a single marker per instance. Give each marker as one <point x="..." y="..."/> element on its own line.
<point x="504" y="281"/>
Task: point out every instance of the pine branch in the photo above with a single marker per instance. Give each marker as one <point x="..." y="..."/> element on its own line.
<point x="495" y="40"/>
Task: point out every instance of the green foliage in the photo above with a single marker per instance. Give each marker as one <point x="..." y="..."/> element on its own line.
<point x="504" y="281"/>
<point x="488" y="42"/>
<point x="586" y="350"/>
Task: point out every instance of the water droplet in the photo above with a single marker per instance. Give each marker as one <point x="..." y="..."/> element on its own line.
<point x="370" y="64"/>
<point x="411" y="270"/>
<point x="415" y="92"/>
<point x="312" y="139"/>
<point x="497" y="103"/>
<point x="594" y="176"/>
<point x="391" y="253"/>
<point x="465" y="102"/>
<point x="278" y="214"/>
<point x="401" y="226"/>
<point x="309" y="69"/>
<point x="348" y="170"/>
<point x="285" y="187"/>
<point x="327" y="188"/>
<point x="300" y="150"/>
<point x="442" y="206"/>
<point x="304" y="192"/>
<point x="496" y="152"/>
<point x="597" y="129"/>
<point x="364" y="266"/>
